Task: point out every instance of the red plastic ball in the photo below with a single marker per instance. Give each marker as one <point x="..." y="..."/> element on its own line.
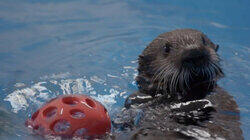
<point x="71" y="115"/>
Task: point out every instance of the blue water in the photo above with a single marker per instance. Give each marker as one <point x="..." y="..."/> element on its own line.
<point x="53" y="47"/>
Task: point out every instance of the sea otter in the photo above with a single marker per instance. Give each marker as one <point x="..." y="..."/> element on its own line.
<point x="178" y="97"/>
<point x="182" y="63"/>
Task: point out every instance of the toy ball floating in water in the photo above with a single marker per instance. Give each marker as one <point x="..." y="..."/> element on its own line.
<point x="69" y="116"/>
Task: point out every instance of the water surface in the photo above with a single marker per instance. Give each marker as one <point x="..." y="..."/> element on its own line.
<point x="49" y="48"/>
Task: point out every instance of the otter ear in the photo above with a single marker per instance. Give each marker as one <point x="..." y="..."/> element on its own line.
<point x="217" y="47"/>
<point x="141" y="56"/>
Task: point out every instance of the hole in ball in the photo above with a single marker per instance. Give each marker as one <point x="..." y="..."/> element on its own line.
<point x="50" y="112"/>
<point x="60" y="126"/>
<point x="77" y="114"/>
<point x="81" y="132"/>
<point x="35" y="115"/>
<point x="70" y="100"/>
<point x="90" y="102"/>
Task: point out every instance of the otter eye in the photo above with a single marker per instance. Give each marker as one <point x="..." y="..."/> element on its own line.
<point x="167" y="48"/>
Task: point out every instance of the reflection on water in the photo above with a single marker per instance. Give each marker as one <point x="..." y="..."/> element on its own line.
<point x="57" y="47"/>
<point x="23" y="97"/>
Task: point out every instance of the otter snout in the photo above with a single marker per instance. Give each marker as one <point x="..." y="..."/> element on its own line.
<point x="194" y="57"/>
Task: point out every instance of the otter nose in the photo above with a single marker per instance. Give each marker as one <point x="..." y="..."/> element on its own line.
<point x="194" y="57"/>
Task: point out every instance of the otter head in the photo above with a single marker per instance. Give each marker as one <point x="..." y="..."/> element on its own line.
<point x="181" y="63"/>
